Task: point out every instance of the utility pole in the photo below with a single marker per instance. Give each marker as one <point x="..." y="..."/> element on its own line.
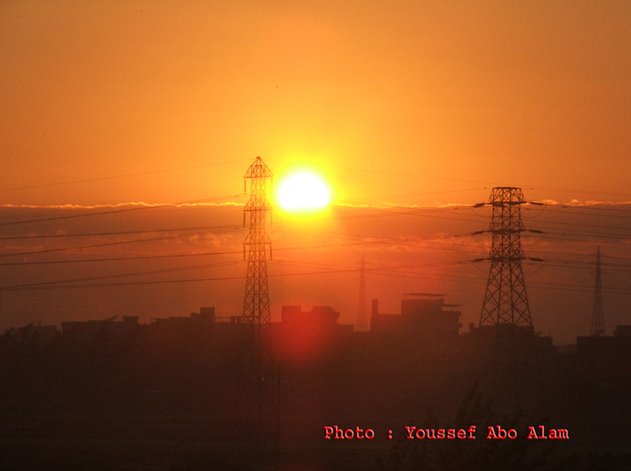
<point x="361" y="322"/>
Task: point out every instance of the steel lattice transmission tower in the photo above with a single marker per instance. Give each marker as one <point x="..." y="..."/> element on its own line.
<point x="256" y="309"/>
<point x="598" y="322"/>
<point x="256" y="314"/>
<point x="506" y="300"/>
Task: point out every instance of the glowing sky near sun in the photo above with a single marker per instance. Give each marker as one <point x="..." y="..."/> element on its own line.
<point x="411" y="102"/>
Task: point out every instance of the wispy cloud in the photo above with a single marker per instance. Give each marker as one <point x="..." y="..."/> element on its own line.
<point x="130" y="204"/>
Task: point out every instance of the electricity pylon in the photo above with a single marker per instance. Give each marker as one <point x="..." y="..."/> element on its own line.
<point x="506" y="299"/>
<point x="257" y="242"/>
<point x="256" y="312"/>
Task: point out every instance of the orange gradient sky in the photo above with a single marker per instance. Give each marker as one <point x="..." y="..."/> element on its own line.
<point x="400" y="101"/>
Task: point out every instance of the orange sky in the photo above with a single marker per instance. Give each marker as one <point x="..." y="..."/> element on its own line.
<point x="315" y="262"/>
<point x="410" y="102"/>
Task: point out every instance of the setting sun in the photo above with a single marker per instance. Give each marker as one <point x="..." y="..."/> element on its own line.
<point x="303" y="191"/>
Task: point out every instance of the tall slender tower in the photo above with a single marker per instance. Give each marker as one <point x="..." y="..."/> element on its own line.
<point x="256" y="300"/>
<point x="256" y="313"/>
<point x="506" y="300"/>
<point x="598" y="322"/>
<point x="361" y="323"/>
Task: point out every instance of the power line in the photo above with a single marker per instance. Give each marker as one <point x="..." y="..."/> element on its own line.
<point x="581" y="190"/>
<point x="118" y="259"/>
<point x="381" y="213"/>
<point x="565" y="223"/>
<point x="92" y="246"/>
<point x="585" y="211"/>
<point x="397" y="240"/>
<point x="156" y="282"/>
<point x="163" y="256"/>
<point x="117" y="233"/>
<point x="430" y="242"/>
<point x="182" y="255"/>
<point x="424" y="176"/>
<point x="115" y="211"/>
<point x="572" y="266"/>
<point x="389" y="212"/>
<point x="420" y="243"/>
<point x="121" y="275"/>
<point x="583" y="237"/>
<point x="375" y="270"/>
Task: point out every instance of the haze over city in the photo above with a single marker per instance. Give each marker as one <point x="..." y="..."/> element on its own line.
<point x="396" y="105"/>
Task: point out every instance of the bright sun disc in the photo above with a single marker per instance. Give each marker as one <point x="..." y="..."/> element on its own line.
<point x="303" y="191"/>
